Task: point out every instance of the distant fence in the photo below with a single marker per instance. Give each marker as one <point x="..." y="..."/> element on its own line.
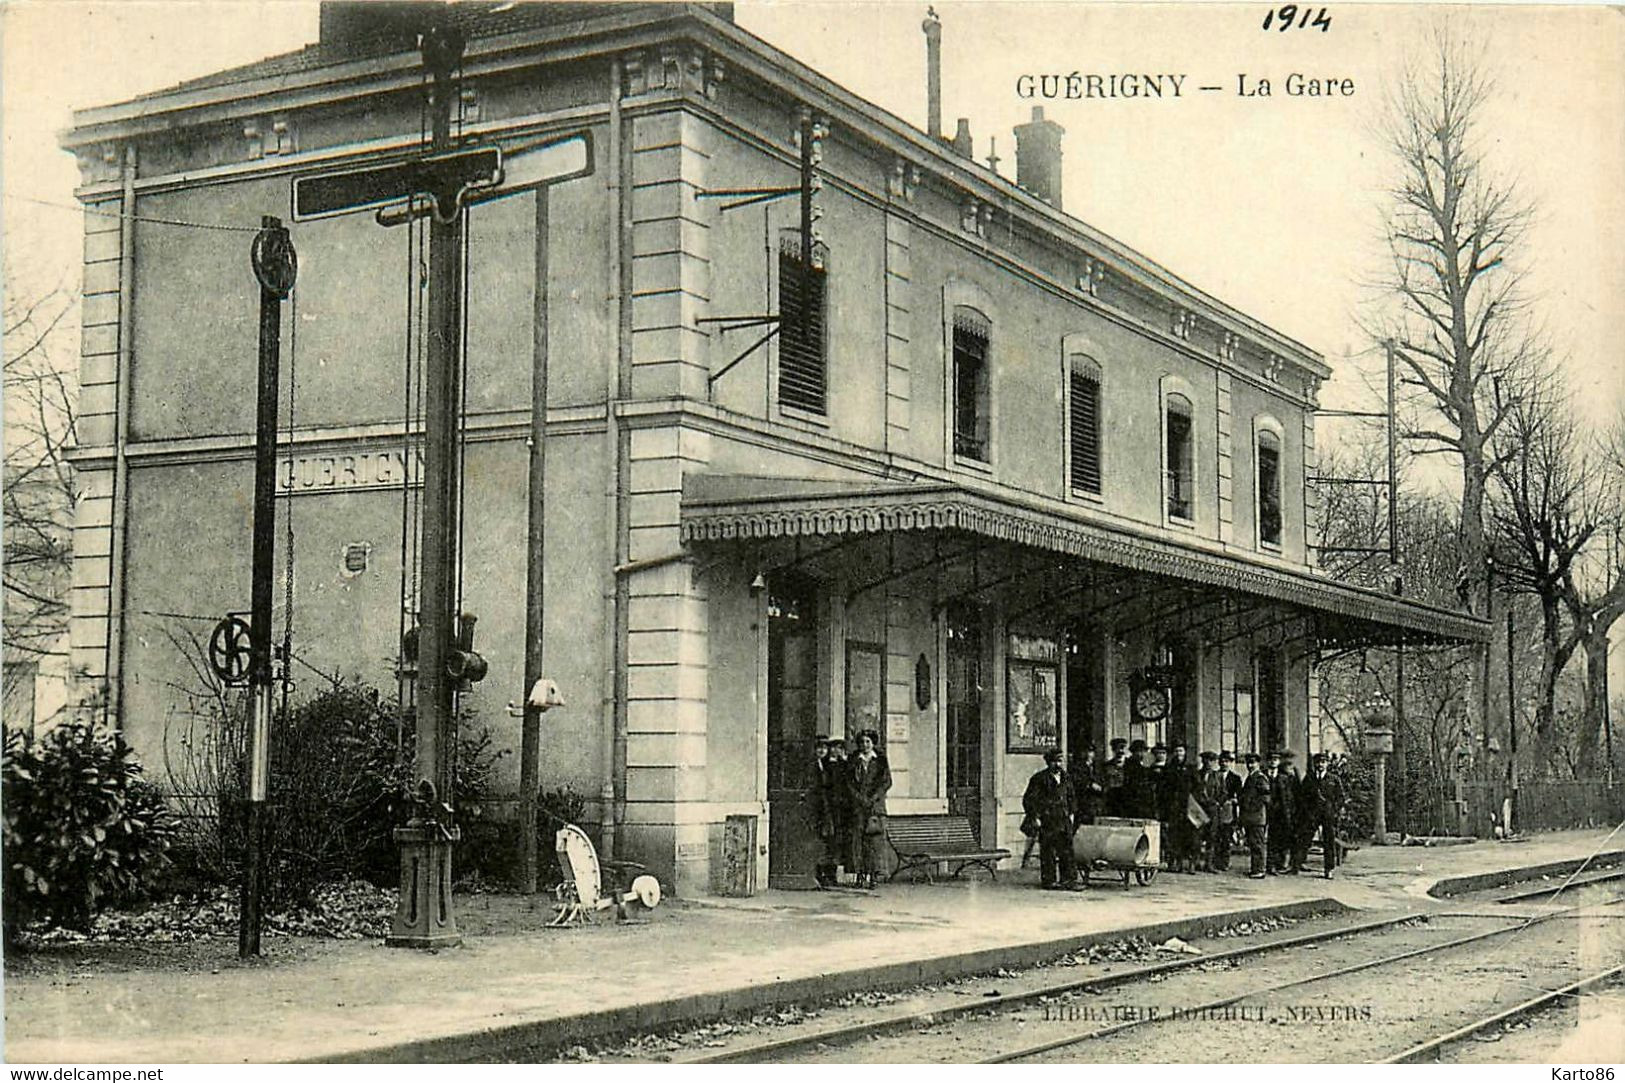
<point x="1541" y="805"/>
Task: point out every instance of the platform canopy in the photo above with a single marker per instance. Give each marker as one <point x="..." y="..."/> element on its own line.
<point x="1048" y="563"/>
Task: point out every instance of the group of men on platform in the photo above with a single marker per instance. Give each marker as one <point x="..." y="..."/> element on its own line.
<point x="1200" y="808"/>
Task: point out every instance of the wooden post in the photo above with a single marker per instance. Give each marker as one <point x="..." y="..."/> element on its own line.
<point x="530" y="741"/>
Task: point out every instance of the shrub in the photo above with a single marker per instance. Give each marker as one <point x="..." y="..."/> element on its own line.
<point x="554" y="809"/>
<point x="81" y="826"/>
<point x="341" y="781"/>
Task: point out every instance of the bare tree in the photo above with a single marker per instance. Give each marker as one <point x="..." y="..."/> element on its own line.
<point x="1594" y="589"/>
<point x="1453" y="230"/>
<point x="1543" y="515"/>
<point x="40" y="410"/>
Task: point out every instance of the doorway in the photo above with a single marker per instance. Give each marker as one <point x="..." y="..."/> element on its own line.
<point x="964" y="709"/>
<point x="1085" y="692"/>
<point x="792" y="728"/>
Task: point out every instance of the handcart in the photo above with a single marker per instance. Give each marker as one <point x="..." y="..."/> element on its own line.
<point x="1119" y="844"/>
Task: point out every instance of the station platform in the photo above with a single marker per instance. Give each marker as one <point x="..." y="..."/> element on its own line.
<point x="326" y="1000"/>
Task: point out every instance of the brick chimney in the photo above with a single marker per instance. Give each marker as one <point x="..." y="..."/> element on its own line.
<point x="1038" y="157"/>
<point x="962" y="142"/>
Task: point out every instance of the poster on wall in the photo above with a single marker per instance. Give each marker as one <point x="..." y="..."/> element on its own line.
<point x="865" y="689"/>
<point x="1032" y="693"/>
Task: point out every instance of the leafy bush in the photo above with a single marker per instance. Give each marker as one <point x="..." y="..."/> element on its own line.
<point x="341" y="781"/>
<point x="81" y="826"/>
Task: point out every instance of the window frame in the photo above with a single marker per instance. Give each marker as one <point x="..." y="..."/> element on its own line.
<point x="959" y="293"/>
<point x="1174" y="389"/>
<point x="962" y="320"/>
<point x="1267" y="429"/>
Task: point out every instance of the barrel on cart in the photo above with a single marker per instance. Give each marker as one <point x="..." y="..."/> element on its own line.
<point x="1119" y="844"/>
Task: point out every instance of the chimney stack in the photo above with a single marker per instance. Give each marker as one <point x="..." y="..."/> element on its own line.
<point x="1038" y="157"/>
<point x="933" y="73"/>
<point x="962" y="141"/>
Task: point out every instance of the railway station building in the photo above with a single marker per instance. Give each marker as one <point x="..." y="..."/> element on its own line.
<point x="968" y="472"/>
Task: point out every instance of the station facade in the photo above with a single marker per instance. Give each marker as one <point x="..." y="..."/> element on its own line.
<point x="988" y="478"/>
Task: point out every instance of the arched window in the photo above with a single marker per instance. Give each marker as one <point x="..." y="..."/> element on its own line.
<point x="1179" y="458"/>
<point x="1269" y="488"/>
<point x="1083" y="423"/>
<point x="972" y="404"/>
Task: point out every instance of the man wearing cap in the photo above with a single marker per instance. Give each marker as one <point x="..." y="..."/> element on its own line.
<point x="1229" y="812"/>
<point x="1210" y="794"/>
<point x="1111" y="776"/>
<point x="1048" y="804"/>
<point x="1320" y="802"/>
<point x="1255" y="803"/>
<point x="1282" y="806"/>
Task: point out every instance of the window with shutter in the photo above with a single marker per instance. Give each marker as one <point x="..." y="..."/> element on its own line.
<point x="803" y="376"/>
<point x="1084" y="424"/>
<point x="972" y="406"/>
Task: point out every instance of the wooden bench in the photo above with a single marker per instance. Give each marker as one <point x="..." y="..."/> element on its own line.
<point x="922" y="841"/>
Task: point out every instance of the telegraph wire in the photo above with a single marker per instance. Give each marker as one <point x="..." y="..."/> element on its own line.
<point x="87" y="209"/>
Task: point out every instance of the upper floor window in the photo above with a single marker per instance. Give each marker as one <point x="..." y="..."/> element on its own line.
<point x="1083" y="424"/>
<point x="803" y="375"/>
<point x="972" y="406"/>
<point x="1269" y="489"/>
<point x="1179" y="458"/>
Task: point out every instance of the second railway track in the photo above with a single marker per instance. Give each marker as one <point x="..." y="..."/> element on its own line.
<point x="1003" y="1027"/>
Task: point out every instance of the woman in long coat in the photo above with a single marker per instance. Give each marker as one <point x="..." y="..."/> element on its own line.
<point x="867" y="782"/>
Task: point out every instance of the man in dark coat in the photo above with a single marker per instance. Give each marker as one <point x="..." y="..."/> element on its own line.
<point x="1229" y="813"/>
<point x="1320" y="802"/>
<point x="1111" y="777"/>
<point x="821" y="811"/>
<point x="1088" y="788"/>
<point x="1211" y="795"/>
<point x="1139" y="799"/>
<point x="1048" y="805"/>
<point x="1255" y="818"/>
<point x="1283" y="807"/>
<point x="840" y="803"/>
<point x="1175" y="787"/>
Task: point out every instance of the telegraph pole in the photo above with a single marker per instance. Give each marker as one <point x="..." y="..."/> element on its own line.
<point x="1512" y="729"/>
<point x="276" y="267"/>
<point x="1398" y="583"/>
<point x="530" y="738"/>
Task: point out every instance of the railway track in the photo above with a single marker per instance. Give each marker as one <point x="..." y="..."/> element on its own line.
<point x="909" y="1032"/>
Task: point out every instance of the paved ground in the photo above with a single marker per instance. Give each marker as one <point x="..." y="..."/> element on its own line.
<point x="327" y="999"/>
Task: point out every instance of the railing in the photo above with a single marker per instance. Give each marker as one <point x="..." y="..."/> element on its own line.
<point x="969" y="446"/>
<point x="1545" y="805"/>
<point x="1179" y="501"/>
